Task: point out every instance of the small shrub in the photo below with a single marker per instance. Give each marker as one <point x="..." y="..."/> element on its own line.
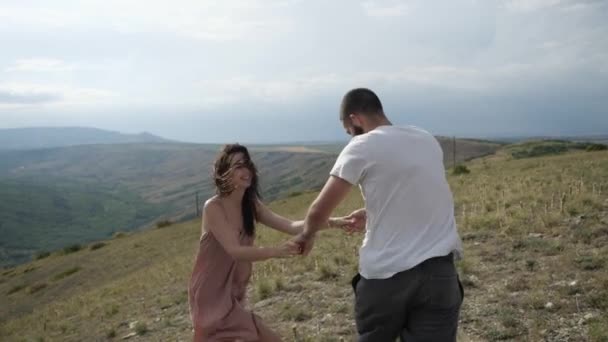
<point x="589" y="262"/>
<point x="141" y="328"/>
<point x="111" y="311"/>
<point x="97" y="245"/>
<point x="41" y="255"/>
<point x="181" y="298"/>
<point x="111" y="333"/>
<point x="544" y="149"/>
<point x="596" y="147"/>
<point x="279" y="285"/>
<point x="16" y="288"/>
<point x="71" y="249"/>
<point x="163" y="223"/>
<point x="9" y="273"/>
<point x="119" y="235"/>
<point x="598" y="331"/>
<point x="573" y="211"/>
<point x="327" y="272"/>
<point x="29" y="269"/>
<point x="538" y="245"/>
<point x="530" y="264"/>
<point x="341" y="260"/>
<point x="485" y="222"/>
<point x="341" y="309"/>
<point x="296" y="313"/>
<point x="460" y="170"/>
<point x="535" y="300"/>
<point x="66" y="273"/>
<point x="501" y="334"/>
<point x="509" y="319"/>
<point x="599" y="299"/>
<point x="36" y="287"/>
<point x="465" y="266"/>
<point x="263" y="289"/>
<point x="518" y="284"/>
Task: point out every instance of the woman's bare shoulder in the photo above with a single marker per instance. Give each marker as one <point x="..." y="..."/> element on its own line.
<point x="213" y="204"/>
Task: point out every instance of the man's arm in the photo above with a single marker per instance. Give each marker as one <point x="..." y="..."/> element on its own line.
<point x="334" y="192"/>
<point x="275" y="221"/>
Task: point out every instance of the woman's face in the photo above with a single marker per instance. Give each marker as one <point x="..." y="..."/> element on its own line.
<point x="241" y="171"/>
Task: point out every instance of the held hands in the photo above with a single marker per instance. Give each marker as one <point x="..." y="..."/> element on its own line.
<point x="305" y="242"/>
<point x="354" y="222"/>
<point x="287" y="249"/>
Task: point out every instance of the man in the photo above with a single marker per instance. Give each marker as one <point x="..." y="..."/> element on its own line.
<point x="407" y="284"/>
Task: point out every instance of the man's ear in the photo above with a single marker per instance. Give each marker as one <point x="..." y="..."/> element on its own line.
<point x="354" y="119"/>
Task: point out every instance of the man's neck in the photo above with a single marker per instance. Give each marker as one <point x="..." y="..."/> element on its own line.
<point x="378" y="123"/>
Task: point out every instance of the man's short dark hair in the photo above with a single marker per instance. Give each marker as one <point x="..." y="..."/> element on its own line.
<point x="360" y="101"/>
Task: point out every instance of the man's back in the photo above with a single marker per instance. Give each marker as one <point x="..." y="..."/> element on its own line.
<point x="410" y="214"/>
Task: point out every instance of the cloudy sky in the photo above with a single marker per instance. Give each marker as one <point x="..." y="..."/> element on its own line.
<point x="275" y="70"/>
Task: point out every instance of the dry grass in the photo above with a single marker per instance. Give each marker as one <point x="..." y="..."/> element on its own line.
<point x="536" y="248"/>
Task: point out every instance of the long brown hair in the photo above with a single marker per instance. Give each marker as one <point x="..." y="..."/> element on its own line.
<point x="222" y="172"/>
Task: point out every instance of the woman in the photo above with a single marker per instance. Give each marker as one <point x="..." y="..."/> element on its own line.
<point x="226" y="252"/>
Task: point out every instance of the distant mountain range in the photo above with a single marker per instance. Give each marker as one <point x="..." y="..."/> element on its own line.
<point x="595" y="138"/>
<point x="48" y="137"/>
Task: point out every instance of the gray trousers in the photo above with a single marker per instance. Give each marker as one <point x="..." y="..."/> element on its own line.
<point x="419" y="304"/>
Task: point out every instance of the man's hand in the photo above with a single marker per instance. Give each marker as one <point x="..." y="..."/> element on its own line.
<point x="305" y="241"/>
<point x="357" y="220"/>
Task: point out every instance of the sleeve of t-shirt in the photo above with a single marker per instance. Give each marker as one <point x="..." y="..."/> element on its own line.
<point x="351" y="163"/>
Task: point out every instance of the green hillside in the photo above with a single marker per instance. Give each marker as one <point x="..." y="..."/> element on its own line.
<point x="57" y="197"/>
<point x="536" y="252"/>
<point x="45" y="216"/>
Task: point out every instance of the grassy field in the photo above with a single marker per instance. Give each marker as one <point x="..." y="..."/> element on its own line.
<point x="536" y="253"/>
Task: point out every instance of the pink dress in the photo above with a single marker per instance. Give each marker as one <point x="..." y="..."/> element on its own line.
<point x="217" y="294"/>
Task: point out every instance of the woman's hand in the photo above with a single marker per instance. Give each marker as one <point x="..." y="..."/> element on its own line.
<point x="287" y="249"/>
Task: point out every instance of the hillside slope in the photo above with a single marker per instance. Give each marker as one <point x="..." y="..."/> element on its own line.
<point x="536" y="251"/>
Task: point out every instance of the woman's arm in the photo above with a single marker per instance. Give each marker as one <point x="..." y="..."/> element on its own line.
<point x="273" y="220"/>
<point x="215" y="222"/>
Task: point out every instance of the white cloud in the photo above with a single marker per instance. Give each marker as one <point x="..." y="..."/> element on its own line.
<point x="529" y="5"/>
<point x="30" y="94"/>
<point x="239" y="89"/>
<point x="40" y="65"/>
<point x="209" y="20"/>
<point x="375" y="8"/>
<point x="302" y="87"/>
<point x="152" y="55"/>
<point x="477" y="80"/>
<point x="39" y="17"/>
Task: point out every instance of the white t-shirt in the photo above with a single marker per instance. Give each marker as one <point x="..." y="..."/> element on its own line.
<point x="409" y="205"/>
